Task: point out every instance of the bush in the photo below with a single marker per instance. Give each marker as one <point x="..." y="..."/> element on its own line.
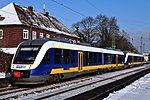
<point x="5" y="61"/>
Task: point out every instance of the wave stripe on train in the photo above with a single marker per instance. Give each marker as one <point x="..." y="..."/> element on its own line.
<point x="84" y="68"/>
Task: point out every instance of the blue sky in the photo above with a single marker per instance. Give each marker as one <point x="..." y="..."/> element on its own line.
<point x="133" y="15"/>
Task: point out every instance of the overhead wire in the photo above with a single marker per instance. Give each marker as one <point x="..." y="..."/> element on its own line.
<point x="69" y="8"/>
<point x="58" y="15"/>
<point x="91" y="4"/>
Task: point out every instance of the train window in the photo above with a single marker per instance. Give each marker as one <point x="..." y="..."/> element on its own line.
<point x="99" y="57"/>
<point x="139" y="59"/>
<point x="109" y="58"/>
<point x="120" y="59"/>
<point x="105" y="58"/>
<point x="72" y="56"/>
<point x="85" y="58"/>
<point x="113" y="59"/>
<point x="132" y="58"/>
<point x="90" y="58"/>
<point x="136" y="59"/>
<point x="129" y="59"/>
<point x="58" y="56"/>
<point x="26" y="55"/>
<point x="95" y="58"/>
<point x="66" y="56"/>
<point x="142" y="59"/>
<point x="46" y="58"/>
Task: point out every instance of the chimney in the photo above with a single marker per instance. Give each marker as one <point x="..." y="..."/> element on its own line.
<point x="44" y="8"/>
<point x="30" y="8"/>
<point x="46" y="14"/>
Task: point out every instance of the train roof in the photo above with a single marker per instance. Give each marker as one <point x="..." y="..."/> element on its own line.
<point x="133" y="54"/>
<point x="53" y="43"/>
<point x="34" y="42"/>
<point x="61" y="45"/>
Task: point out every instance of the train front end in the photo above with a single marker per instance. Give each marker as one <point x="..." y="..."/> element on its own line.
<point x="26" y="61"/>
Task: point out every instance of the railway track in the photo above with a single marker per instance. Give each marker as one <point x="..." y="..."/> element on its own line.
<point x="66" y="93"/>
<point x="69" y="89"/>
<point x="16" y="92"/>
<point x="7" y="88"/>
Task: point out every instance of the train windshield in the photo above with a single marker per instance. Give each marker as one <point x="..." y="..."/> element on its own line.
<point x="26" y="55"/>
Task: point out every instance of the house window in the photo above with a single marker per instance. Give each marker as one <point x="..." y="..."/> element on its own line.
<point x="70" y="41"/>
<point x="33" y="35"/>
<point x="25" y="34"/>
<point x="1" y="34"/>
<point x="41" y="35"/>
<point x="74" y="41"/>
<point x="47" y="36"/>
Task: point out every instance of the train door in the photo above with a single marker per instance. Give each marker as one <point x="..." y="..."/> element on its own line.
<point x="116" y="59"/>
<point x="80" y="60"/>
<point x="132" y="61"/>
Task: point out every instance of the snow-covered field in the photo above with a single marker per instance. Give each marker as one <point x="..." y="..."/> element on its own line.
<point x="139" y="90"/>
<point x="2" y="75"/>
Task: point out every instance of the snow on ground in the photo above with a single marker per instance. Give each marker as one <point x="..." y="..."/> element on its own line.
<point x="139" y="90"/>
<point x="2" y="75"/>
<point x="9" y="50"/>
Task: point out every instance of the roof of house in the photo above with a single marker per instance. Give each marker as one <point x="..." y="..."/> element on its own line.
<point x="15" y="14"/>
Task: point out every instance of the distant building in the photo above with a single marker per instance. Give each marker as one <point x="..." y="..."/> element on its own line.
<point x="146" y="56"/>
<point x="19" y="23"/>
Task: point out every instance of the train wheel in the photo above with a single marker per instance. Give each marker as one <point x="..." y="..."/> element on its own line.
<point x="50" y="79"/>
<point x="47" y="82"/>
<point x="61" y="76"/>
<point x="56" y="78"/>
<point x="99" y="72"/>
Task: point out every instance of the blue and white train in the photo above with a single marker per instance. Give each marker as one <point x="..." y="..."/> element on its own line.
<point x="43" y="60"/>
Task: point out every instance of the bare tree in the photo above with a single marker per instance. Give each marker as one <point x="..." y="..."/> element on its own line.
<point x="104" y="32"/>
<point x="85" y="29"/>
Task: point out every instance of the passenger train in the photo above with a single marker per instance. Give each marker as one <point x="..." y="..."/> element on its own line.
<point x="44" y="60"/>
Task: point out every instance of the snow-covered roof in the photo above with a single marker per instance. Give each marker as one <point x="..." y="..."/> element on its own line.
<point x="15" y="14"/>
<point x="10" y="15"/>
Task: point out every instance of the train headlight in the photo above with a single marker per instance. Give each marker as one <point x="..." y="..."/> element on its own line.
<point x="12" y="66"/>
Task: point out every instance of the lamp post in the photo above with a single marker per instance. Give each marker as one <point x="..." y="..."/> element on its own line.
<point x="143" y="47"/>
<point x="141" y="44"/>
<point x="114" y="33"/>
